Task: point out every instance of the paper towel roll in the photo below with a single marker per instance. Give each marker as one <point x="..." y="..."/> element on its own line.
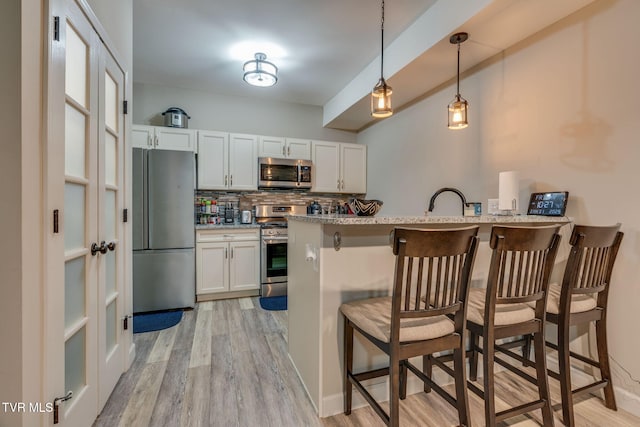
<point x="508" y="191"/>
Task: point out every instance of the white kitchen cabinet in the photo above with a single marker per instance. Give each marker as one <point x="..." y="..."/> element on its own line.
<point x="227" y="261"/>
<point x="284" y="148"/>
<point x="227" y="161"/>
<point x="339" y="167"/>
<point x="163" y="138"/>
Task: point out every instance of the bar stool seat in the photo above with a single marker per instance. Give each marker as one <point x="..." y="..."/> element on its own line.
<point x="579" y="303"/>
<point x="373" y="316"/>
<point x="506" y="314"/>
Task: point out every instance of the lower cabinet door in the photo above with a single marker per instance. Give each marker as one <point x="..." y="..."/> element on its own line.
<point x="244" y="265"/>
<point x="212" y="267"/>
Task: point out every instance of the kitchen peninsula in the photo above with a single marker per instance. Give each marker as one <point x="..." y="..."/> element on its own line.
<point x="339" y="258"/>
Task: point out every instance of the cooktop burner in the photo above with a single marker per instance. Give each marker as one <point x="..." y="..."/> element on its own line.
<point x="274" y="216"/>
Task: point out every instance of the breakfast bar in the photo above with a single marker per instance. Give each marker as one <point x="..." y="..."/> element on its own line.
<point x="338" y="258"/>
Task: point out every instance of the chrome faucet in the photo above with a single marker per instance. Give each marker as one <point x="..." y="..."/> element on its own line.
<point x="443" y="190"/>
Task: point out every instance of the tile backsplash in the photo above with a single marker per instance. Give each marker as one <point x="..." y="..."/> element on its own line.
<point x="247" y="200"/>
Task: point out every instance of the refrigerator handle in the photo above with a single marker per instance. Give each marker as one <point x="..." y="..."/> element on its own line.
<point x="145" y="198"/>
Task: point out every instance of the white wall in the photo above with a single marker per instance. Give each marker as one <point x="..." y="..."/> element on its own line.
<point x="560" y="107"/>
<point x="116" y="16"/>
<point x="233" y="114"/>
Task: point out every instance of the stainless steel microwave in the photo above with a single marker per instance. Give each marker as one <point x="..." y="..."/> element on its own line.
<point x="284" y="173"/>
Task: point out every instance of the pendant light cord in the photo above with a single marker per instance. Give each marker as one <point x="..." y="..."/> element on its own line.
<point x="382" y="42"/>
<point x="458" y="73"/>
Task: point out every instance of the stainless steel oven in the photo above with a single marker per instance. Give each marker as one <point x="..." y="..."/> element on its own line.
<point x="273" y="247"/>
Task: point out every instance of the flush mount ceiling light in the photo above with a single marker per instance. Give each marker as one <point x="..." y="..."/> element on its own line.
<point x="458" y="107"/>
<point x="259" y="72"/>
<point x="381" y="93"/>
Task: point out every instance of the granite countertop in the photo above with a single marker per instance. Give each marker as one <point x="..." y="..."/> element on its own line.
<point x="235" y="225"/>
<point x="374" y="220"/>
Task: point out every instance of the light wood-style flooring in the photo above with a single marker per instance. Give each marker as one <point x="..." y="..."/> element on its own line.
<point x="226" y="364"/>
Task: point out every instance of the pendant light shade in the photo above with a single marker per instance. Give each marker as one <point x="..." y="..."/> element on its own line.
<point x="381" y="100"/>
<point x="457" y="108"/>
<point x="260" y="72"/>
<point x="381" y="93"/>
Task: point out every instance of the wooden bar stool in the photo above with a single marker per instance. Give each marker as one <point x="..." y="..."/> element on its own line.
<point x="434" y="263"/>
<point x="582" y="298"/>
<point x="513" y="304"/>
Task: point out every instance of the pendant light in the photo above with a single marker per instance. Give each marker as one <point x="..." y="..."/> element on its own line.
<point x="458" y="107"/>
<point x="381" y="93"/>
<point x="260" y="72"/>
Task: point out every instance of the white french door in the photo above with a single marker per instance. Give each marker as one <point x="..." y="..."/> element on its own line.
<point x="85" y="266"/>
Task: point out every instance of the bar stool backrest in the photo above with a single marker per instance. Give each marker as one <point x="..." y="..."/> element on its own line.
<point x="593" y="253"/>
<point x="521" y="263"/>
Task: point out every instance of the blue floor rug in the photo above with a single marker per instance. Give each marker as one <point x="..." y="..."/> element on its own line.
<point x="274" y="303"/>
<point x="147" y="322"/>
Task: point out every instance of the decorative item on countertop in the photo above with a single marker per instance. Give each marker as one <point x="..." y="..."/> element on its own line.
<point x="472" y="209"/>
<point x="363" y="207"/>
<point x="316" y="209"/>
<point x="175" y="117"/>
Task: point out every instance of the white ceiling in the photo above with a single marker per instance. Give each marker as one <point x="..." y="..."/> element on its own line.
<point x="327" y="51"/>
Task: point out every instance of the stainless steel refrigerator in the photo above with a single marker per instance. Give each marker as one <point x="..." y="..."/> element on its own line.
<point x="163" y="230"/>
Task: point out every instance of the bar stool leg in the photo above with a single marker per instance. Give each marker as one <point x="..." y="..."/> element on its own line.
<point x="603" y="359"/>
<point x="565" y="372"/>
<point x="403" y="379"/>
<point x="488" y="353"/>
<point x="394" y="391"/>
<point x="474" y="340"/>
<point x="427" y="370"/>
<point x="526" y="348"/>
<point x="348" y="365"/>
<point x="543" y="382"/>
<point x="462" y="400"/>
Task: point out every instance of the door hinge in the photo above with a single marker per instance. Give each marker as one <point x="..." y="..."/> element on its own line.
<point x="125" y="107"/>
<point x="125" y="215"/>
<point x="56" y="28"/>
<point x="56" y="227"/>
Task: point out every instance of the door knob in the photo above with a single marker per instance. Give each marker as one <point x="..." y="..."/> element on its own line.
<point x="111" y="246"/>
<point x="94" y="249"/>
<point x="103" y="247"/>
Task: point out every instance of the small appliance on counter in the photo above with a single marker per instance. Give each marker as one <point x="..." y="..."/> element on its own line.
<point x="228" y="213"/>
<point x="175" y="117"/>
<point x="245" y="217"/>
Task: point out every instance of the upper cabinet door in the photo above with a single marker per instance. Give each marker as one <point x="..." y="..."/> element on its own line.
<point x="175" y="139"/>
<point x="243" y="162"/>
<point x="326" y="166"/>
<point x="284" y="148"/>
<point x="299" y="149"/>
<point x="142" y="136"/>
<point x="272" y="146"/>
<point x="213" y="163"/>
<point x="353" y="159"/>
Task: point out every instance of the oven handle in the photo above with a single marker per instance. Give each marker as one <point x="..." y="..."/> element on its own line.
<point x="274" y="239"/>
